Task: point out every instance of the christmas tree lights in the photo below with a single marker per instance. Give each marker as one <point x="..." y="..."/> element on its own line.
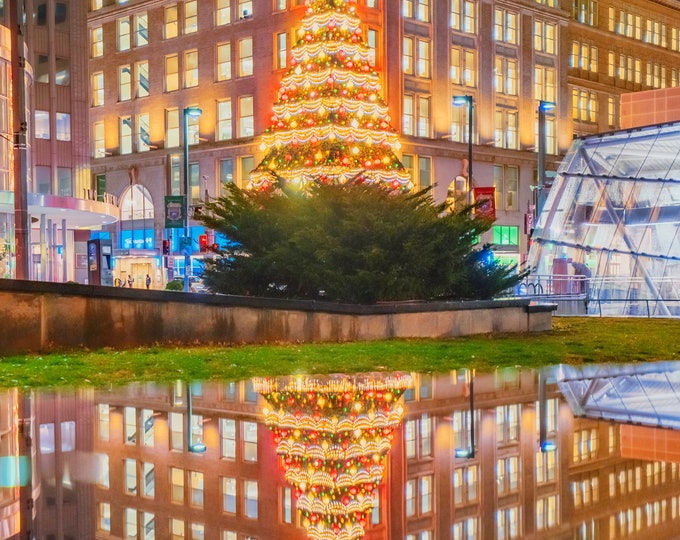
<point x="330" y="123"/>
<point x="333" y="435"/>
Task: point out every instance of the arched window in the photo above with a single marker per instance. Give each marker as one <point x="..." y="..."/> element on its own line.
<point x="136" y="203"/>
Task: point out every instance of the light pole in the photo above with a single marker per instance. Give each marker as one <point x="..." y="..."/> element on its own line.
<point x="459" y="101"/>
<point x="469" y="452"/>
<point x="544" y="444"/>
<point x="543" y="108"/>
<point x="193" y="112"/>
<point x="193" y="447"/>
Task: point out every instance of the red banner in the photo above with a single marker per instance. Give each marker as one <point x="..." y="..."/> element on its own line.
<point x="486" y="195"/>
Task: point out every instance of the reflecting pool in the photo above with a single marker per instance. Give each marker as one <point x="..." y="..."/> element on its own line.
<point x="560" y="453"/>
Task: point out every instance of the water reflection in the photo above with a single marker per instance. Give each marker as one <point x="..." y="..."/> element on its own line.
<point x="338" y="457"/>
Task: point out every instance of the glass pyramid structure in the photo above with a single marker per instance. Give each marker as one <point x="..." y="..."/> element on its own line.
<point x="613" y="214"/>
<point x="647" y="394"/>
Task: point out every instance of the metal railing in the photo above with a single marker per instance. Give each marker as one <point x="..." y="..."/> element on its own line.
<point x="607" y="296"/>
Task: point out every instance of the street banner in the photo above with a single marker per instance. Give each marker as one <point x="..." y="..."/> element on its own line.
<point x="488" y="209"/>
<point x="174" y="212"/>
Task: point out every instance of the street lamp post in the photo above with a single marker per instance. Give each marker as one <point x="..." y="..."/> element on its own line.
<point x="459" y="101"/>
<point x="469" y="452"/>
<point x="543" y="108"/>
<point x="193" y="112"/>
<point x="544" y="444"/>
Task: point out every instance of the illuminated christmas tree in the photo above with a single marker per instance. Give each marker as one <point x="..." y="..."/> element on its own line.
<point x="330" y="123"/>
<point x="333" y="435"/>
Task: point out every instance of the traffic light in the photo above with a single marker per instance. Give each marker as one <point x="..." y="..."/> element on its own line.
<point x="166" y="247"/>
<point x="203" y="243"/>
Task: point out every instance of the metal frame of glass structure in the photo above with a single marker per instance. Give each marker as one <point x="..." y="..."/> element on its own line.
<point x="646" y="393"/>
<point x="614" y="210"/>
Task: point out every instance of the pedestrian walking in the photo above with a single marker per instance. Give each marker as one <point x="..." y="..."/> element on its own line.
<point x="130" y="280"/>
<point x="148" y="281"/>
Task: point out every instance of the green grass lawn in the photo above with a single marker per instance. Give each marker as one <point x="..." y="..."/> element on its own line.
<point x="573" y="340"/>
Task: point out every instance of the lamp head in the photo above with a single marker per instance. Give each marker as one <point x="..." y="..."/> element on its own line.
<point x="464" y="453"/>
<point x="197" y="448"/>
<point x="193" y="112"/>
<point x="545" y="106"/>
<point x="459" y="101"/>
<point x="548" y="446"/>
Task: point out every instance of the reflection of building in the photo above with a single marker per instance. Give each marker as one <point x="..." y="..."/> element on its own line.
<point x="131" y="447"/>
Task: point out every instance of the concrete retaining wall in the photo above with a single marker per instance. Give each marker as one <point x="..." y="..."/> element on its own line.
<point x="39" y="316"/>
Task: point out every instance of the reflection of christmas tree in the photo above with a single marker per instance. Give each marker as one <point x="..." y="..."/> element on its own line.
<point x="330" y="123"/>
<point x="333" y="435"/>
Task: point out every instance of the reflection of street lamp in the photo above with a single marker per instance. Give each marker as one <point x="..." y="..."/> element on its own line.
<point x="543" y="108"/>
<point x="195" y="113"/>
<point x="198" y="447"/>
<point x="459" y="101"/>
<point x="544" y="444"/>
<point x="470" y="451"/>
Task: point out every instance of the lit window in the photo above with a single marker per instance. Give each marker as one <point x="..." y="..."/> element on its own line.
<point x="228" y="437"/>
<point x="98" y="89"/>
<point x="245" y="9"/>
<point x="148" y="423"/>
<point x="229" y="495"/>
<point x="176" y="529"/>
<point x="104" y="517"/>
<point x="223" y="12"/>
<point x="196" y="486"/>
<point x="63" y="126"/>
<point x="506" y="129"/>
<point x="171" y="128"/>
<point x="423" y="116"/>
<point x="286" y="505"/>
<point x="99" y="149"/>
<point x="197" y="531"/>
<point x="407" y="56"/>
<point x="190" y="69"/>
<point x="124" y="83"/>
<point x="176" y="485"/>
<point x="149" y="480"/>
<point x="141" y="30"/>
<point x="281" y="50"/>
<point x="176" y="425"/>
<point x="250" y="499"/>
<point x="124" y="34"/>
<point x="544" y="83"/>
<point x="224" y="61"/>
<point x="463" y="16"/>
<point x="143" y="137"/>
<point x="171" y="73"/>
<point x="505" y="26"/>
<point x="423" y="63"/>
<point x="423" y="10"/>
<point x="246" y="127"/>
<point x="245" y="57"/>
<point x="506" y="76"/>
<point x="171" y="23"/>
<point x="190" y="17"/>
<point x="97" y="37"/>
<point x="249" y="441"/>
<point x="465" y="484"/>
<point x="193" y="132"/>
<point x="426" y="494"/>
<point x="408" y="121"/>
<point x="130" y="471"/>
<point x="224" y="120"/>
<point x="130" y="413"/>
<point x="505" y="235"/>
<point x="372" y="42"/>
<point x="142" y="78"/>
<point x="149" y="524"/>
<point x="130" y="523"/>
